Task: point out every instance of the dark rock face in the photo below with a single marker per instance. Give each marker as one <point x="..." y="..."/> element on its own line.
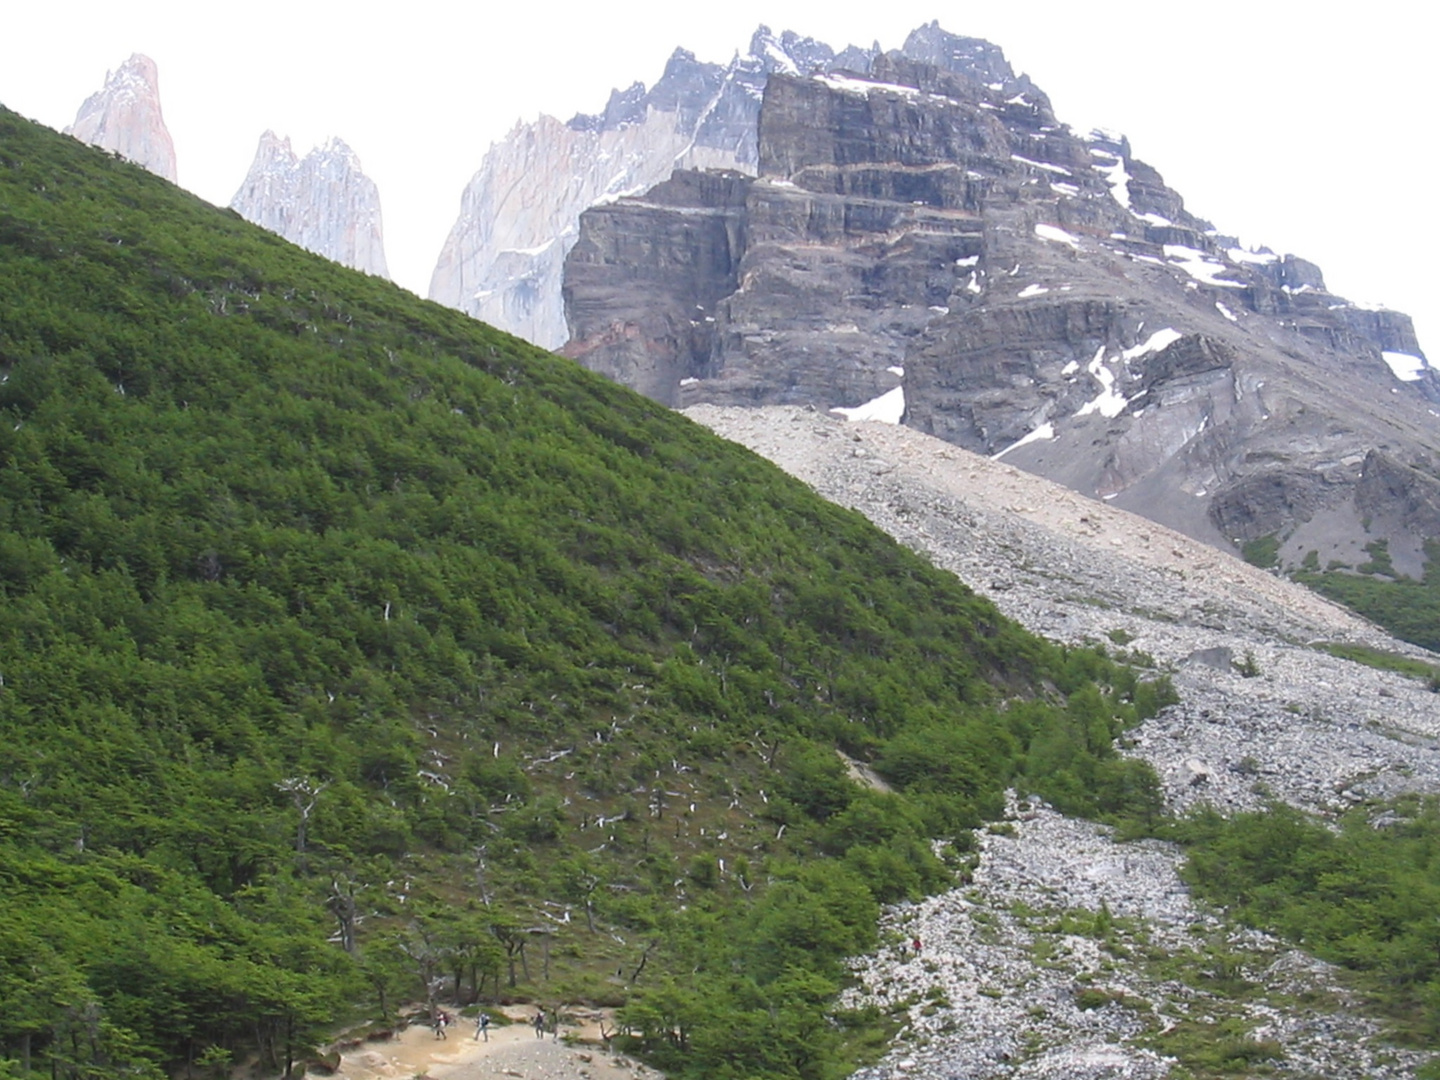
<point x="1261" y="504"/>
<point x="833" y="137"/>
<point x="1388" y="331"/>
<point x="1039" y="295"/>
<point x="1392" y="489"/>
<point x="681" y="254"/>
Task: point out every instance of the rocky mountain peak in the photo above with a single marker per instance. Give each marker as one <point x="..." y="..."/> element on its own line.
<point x="765" y="46"/>
<point x="124" y="116"/>
<point x="973" y="57"/>
<point x="503" y="259"/>
<point x="274" y="153"/>
<point x="929" y="233"/>
<point x="624" y="107"/>
<point x="789" y="53"/>
<point x="324" y="201"/>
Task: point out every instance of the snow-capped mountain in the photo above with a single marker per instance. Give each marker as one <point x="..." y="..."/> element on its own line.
<point x="124" y="116"/>
<point x="324" y="201"/>
<point x="503" y="259"/>
<point x="928" y="240"/>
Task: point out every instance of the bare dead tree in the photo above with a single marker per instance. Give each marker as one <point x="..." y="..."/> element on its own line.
<point x="343" y="906"/>
<point x="481" y="873"/>
<point x="768" y="749"/>
<point x="589" y="883"/>
<point x="644" y="958"/>
<point x="304" y="793"/>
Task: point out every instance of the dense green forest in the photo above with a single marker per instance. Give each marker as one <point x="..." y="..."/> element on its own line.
<point x="354" y="654"/>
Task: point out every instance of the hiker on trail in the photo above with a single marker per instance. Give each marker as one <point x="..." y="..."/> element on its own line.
<point x="482" y="1026"/>
<point x="440" y="1021"/>
<point x="555" y="1023"/>
<point x="915" y="944"/>
<point x="539" y="1023"/>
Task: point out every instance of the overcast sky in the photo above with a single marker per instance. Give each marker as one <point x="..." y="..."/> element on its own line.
<point x="1310" y="132"/>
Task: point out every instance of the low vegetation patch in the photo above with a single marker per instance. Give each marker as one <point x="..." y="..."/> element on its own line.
<point x="1382" y="659"/>
<point x="1363" y="896"/>
<point x="1263" y="551"/>
<point x="1224" y="1048"/>
<point x="1407" y="608"/>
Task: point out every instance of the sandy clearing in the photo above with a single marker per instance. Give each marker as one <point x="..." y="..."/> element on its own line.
<point x="512" y="1051"/>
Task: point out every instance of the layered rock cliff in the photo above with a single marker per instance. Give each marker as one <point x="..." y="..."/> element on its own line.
<point x="324" y="201"/>
<point x="503" y="259"/>
<point x="931" y="230"/>
<point x="124" y="116"/>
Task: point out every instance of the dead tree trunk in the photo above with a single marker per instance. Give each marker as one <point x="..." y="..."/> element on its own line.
<point x="644" y="958"/>
<point x="342" y="905"/>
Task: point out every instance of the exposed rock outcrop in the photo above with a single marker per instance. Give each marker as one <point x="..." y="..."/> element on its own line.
<point x="324" y="202"/>
<point x="124" y="116"/>
<point x="931" y="226"/>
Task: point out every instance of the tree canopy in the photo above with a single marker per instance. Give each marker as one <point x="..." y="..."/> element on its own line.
<point x="349" y="648"/>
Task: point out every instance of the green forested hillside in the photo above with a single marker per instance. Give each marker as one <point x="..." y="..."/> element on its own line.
<point x="355" y="653"/>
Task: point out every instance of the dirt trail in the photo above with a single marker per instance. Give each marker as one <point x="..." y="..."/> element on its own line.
<point x="512" y="1051"/>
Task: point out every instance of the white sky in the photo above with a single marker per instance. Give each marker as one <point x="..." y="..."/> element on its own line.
<point x="1309" y="131"/>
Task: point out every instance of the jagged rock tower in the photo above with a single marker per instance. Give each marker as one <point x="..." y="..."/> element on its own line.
<point x="124" y="116"/>
<point x="324" y="202"/>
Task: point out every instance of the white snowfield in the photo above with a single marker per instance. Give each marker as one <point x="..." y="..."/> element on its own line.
<point x="1057" y="235"/>
<point x="1200" y="266"/>
<point x="1043" y="166"/>
<point x="888" y="408"/>
<point x="1407" y="368"/>
<point x="1045" y="431"/>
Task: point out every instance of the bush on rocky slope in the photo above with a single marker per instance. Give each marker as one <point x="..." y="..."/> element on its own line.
<point x="1364" y="896"/>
